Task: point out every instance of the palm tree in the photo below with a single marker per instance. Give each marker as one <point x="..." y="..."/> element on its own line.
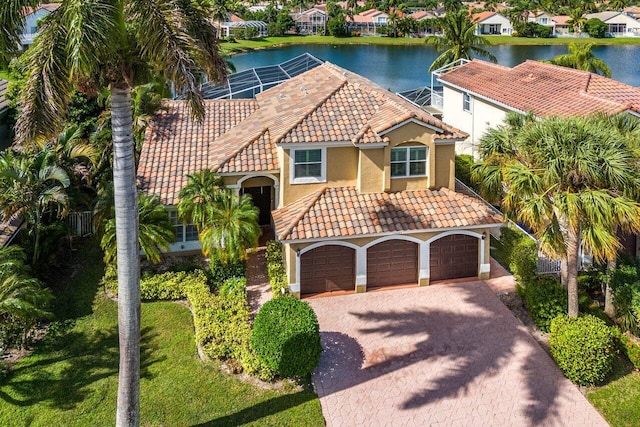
<point x="581" y="57"/>
<point x="156" y="231"/>
<point x="577" y="20"/>
<point x="458" y="41"/>
<point x="117" y="44"/>
<point x="198" y="196"/>
<point x="231" y="228"/>
<point x="22" y="298"/>
<point x="32" y="185"/>
<point x="617" y="5"/>
<point x="565" y="178"/>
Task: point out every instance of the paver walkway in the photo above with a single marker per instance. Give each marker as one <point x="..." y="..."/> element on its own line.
<point x="258" y="287"/>
<point x="444" y="355"/>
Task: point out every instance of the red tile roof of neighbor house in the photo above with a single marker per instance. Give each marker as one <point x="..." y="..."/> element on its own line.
<point x="327" y="104"/>
<point x="544" y="89"/>
<point x="343" y="212"/>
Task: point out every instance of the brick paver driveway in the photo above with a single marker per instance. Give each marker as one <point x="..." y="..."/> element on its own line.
<point x="444" y="355"/>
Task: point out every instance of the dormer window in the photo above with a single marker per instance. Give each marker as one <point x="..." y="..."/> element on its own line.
<point x="308" y="166"/>
<point x="408" y="162"/>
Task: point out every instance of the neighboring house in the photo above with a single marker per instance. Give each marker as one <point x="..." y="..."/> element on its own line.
<point x="358" y="183"/>
<point x="31" y="18"/>
<point x="562" y="27"/>
<point x="619" y="24"/>
<point x="9" y="229"/>
<point x="543" y="18"/>
<point x="423" y="16"/>
<point x="492" y="23"/>
<point x="368" y="22"/>
<point x="479" y="94"/>
<point x="632" y="11"/>
<point x="311" y="21"/>
<point x="235" y="23"/>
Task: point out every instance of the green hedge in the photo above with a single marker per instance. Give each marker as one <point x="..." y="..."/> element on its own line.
<point x="630" y="348"/>
<point x="583" y="348"/>
<point x="286" y="337"/>
<point x="523" y="261"/>
<point x="276" y="270"/>
<point x="545" y="299"/>
<point x="221" y="272"/>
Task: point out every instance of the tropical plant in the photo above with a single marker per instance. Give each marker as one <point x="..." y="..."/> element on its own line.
<point x="581" y="57"/>
<point x="231" y="227"/>
<point x="116" y="44"/>
<point x="595" y="27"/>
<point x="23" y="299"/>
<point x="198" y="196"/>
<point x="34" y="186"/>
<point x="566" y="179"/>
<point x="156" y="232"/>
<point x="577" y="20"/>
<point x="458" y="41"/>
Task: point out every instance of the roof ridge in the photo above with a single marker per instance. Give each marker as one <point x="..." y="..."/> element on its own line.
<point x="314" y="109"/>
<point x="244" y="146"/>
<point x="303" y="213"/>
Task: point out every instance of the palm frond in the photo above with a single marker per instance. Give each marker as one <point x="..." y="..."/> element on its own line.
<point x="12" y="22"/>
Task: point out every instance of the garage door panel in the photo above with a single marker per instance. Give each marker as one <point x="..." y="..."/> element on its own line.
<point x="393" y="262"/>
<point x="327" y="269"/>
<point x="453" y="257"/>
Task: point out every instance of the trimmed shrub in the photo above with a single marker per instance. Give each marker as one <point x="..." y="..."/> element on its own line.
<point x="524" y="260"/>
<point x="545" y="299"/>
<point x="583" y="348"/>
<point x="221" y="272"/>
<point x="286" y="337"/>
<point x="631" y="348"/>
<point x="275" y="269"/>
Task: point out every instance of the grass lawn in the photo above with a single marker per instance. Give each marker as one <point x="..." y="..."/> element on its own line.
<point x="71" y="378"/>
<point x="245" y="45"/>
<point x="619" y="401"/>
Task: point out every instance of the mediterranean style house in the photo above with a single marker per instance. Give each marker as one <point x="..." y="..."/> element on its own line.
<point x="357" y="184"/>
<point x="477" y="95"/>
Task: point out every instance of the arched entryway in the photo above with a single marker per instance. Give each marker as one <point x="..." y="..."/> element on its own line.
<point x="453" y="256"/>
<point x="263" y="192"/>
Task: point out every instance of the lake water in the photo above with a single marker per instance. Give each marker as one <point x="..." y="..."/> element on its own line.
<point x="401" y="68"/>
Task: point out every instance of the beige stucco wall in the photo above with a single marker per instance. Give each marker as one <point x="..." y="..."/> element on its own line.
<point x="342" y="171"/>
<point x="371" y="170"/>
<point x="445" y="171"/>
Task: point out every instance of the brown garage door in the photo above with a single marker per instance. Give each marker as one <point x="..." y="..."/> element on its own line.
<point x="394" y="262"/>
<point x="453" y="257"/>
<point x="326" y="269"/>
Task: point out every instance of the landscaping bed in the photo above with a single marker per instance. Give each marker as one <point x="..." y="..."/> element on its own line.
<point x="71" y="376"/>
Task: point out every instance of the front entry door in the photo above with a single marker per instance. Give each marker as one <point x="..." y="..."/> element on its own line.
<point x="261" y="198"/>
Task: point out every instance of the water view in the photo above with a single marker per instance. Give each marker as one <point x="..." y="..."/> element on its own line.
<point x="401" y="68"/>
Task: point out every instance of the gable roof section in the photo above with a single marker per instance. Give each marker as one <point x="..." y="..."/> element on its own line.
<point x="343" y="212"/>
<point x="175" y="145"/>
<point x="544" y="89"/>
<point x="327" y="104"/>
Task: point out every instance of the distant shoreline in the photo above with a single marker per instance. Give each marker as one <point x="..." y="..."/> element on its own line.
<point x="241" y="46"/>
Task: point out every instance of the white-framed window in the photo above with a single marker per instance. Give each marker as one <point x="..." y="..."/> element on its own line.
<point x="183" y="233"/>
<point x="466" y="102"/>
<point x="308" y="165"/>
<point x="408" y="161"/>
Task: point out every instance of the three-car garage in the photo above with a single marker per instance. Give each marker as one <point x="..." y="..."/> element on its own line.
<point x="389" y="262"/>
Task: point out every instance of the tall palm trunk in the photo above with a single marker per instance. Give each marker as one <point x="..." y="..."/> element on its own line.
<point x="609" y="308"/>
<point x="126" y="209"/>
<point x="572" y="242"/>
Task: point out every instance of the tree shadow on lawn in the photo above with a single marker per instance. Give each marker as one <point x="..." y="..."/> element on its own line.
<point x="463" y="348"/>
<point x="64" y="368"/>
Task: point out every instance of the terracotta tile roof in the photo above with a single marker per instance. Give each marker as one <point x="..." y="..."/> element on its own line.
<point x="343" y="212"/>
<point x="545" y="89"/>
<point x="481" y="16"/>
<point x="561" y="19"/>
<point x="325" y="104"/>
<point x="175" y="145"/>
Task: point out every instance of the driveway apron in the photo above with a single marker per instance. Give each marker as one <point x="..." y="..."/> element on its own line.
<point x="444" y="355"/>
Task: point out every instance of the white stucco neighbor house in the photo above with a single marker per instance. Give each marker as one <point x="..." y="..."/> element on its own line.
<point x="31" y="18"/>
<point x="492" y="23"/>
<point x="619" y="24"/>
<point x="477" y="95"/>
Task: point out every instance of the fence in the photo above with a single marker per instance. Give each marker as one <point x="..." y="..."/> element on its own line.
<point x="80" y="223"/>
